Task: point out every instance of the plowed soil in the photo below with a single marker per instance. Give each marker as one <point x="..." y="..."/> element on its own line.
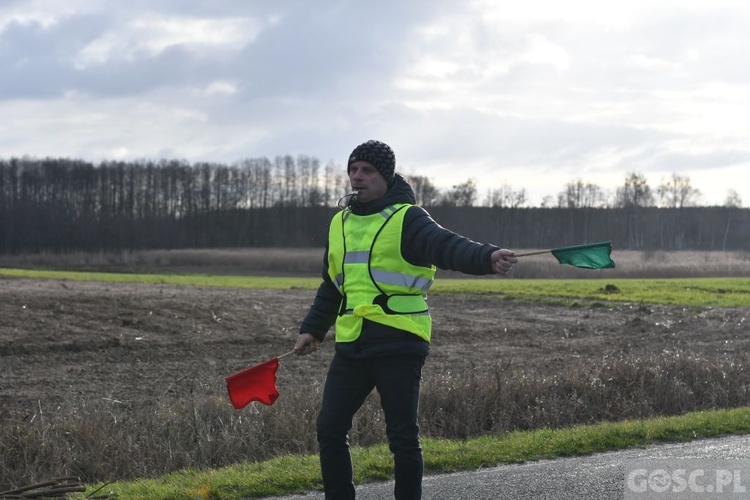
<point x="65" y="344"/>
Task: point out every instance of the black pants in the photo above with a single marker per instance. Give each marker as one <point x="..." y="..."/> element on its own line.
<point x="349" y="381"/>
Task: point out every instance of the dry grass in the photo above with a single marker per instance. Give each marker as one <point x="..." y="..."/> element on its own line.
<point x="504" y="398"/>
<point x="100" y="442"/>
<point x="308" y="261"/>
<point x="265" y="261"/>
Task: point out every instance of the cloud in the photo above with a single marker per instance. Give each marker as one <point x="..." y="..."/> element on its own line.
<point x="148" y="37"/>
<point x="536" y="93"/>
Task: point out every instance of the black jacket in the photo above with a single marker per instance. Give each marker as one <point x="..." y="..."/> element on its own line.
<point x="424" y="242"/>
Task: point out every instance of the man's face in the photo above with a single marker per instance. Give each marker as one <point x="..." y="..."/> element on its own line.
<point x="367" y="181"/>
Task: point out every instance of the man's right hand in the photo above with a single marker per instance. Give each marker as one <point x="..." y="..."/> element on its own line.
<point x="306" y="344"/>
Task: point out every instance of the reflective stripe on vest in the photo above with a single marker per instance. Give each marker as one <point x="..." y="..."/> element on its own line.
<point x="357" y="258"/>
<point x="387" y="277"/>
<point x="405" y="280"/>
<point x="365" y="264"/>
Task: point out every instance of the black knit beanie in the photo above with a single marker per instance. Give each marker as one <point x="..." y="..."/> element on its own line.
<point x="379" y="154"/>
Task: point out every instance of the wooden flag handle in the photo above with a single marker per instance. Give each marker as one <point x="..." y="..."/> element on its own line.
<point x="533" y="253"/>
<point x="286" y="354"/>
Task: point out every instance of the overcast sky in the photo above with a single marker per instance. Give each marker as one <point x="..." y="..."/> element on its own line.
<point x="532" y="94"/>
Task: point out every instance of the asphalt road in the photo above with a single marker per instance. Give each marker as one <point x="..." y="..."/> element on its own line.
<point x="596" y="477"/>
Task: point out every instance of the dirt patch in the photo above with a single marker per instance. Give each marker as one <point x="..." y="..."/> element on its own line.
<point x="64" y="344"/>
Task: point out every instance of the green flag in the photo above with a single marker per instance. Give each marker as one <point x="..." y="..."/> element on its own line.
<point x="591" y="256"/>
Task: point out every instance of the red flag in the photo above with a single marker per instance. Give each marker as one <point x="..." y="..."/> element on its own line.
<point x="256" y="383"/>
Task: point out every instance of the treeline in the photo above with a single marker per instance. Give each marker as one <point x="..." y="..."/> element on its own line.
<point x="61" y="205"/>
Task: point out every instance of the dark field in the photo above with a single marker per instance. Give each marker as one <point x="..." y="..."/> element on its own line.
<point x="66" y="344"/>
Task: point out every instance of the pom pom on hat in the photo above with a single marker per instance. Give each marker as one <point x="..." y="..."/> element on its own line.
<point x="379" y="154"/>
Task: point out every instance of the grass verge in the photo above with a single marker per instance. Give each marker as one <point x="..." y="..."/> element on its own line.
<point x="290" y="474"/>
<point x="697" y="292"/>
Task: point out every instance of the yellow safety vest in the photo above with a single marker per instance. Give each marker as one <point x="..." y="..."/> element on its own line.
<point x="366" y="265"/>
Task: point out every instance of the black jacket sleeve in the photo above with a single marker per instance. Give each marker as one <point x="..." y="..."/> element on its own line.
<point x="322" y="313"/>
<point x="425" y="242"/>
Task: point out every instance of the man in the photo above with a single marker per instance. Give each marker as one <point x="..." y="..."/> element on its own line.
<point x="380" y="260"/>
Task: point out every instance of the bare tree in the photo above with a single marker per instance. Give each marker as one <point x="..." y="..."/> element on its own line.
<point x="635" y="193"/>
<point x="460" y="195"/>
<point x="547" y="201"/>
<point x="733" y="199"/>
<point x="676" y="192"/>
<point x="316" y="196"/>
<point x="506" y="196"/>
<point x="304" y="173"/>
<point x="263" y="176"/>
<point x="424" y="190"/>
<point x="328" y="181"/>
<point x="578" y="194"/>
<point x="291" y="182"/>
